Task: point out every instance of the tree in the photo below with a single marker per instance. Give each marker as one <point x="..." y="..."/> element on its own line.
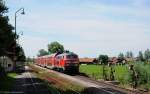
<point x="129" y="54"/>
<point x="121" y="55"/>
<point x="29" y="59"/>
<point x="140" y="56"/>
<point x="42" y="52"/>
<point x="55" y="47"/>
<point x="121" y="58"/>
<point x="8" y="44"/>
<point x="7" y="37"/>
<point x="147" y="55"/>
<point x="103" y="59"/>
<point x="3" y="8"/>
<point x="20" y="53"/>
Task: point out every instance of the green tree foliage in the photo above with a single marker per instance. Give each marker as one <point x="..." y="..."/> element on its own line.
<point x="129" y="54"/>
<point x="147" y="55"/>
<point x="8" y="45"/>
<point x="20" y="53"/>
<point x="29" y="59"/>
<point x="3" y="8"/>
<point x="7" y="37"/>
<point x="121" y="55"/>
<point x="140" y="56"/>
<point x="143" y="73"/>
<point x="42" y="52"/>
<point x="103" y="59"/>
<point x="121" y="58"/>
<point x="55" y="47"/>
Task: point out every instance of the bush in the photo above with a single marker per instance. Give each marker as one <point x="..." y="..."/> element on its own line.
<point x="2" y="71"/>
<point x="143" y="73"/>
<point x="122" y="74"/>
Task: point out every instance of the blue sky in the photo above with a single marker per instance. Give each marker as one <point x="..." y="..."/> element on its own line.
<point x="86" y="27"/>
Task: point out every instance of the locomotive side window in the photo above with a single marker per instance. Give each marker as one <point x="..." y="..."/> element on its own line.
<point x="72" y="56"/>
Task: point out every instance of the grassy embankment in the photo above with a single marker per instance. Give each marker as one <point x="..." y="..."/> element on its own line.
<point x="55" y="82"/>
<point x="7" y="81"/>
<point x="122" y="73"/>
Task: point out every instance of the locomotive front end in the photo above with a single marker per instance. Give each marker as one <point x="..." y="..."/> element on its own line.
<point x="71" y="63"/>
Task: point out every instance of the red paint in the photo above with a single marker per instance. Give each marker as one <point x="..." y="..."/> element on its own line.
<point x="65" y="61"/>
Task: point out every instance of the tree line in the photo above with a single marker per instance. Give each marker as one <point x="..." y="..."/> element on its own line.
<point x="53" y="47"/>
<point x="142" y="56"/>
<point x="8" y="45"/>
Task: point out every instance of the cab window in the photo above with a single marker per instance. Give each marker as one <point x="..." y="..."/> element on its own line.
<point x="71" y="56"/>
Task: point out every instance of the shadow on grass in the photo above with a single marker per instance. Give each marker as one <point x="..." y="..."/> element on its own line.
<point x="75" y="74"/>
<point x="6" y="82"/>
<point x="22" y="85"/>
<point x="68" y="92"/>
<point x="83" y="74"/>
<point x="31" y="86"/>
<point x="94" y="90"/>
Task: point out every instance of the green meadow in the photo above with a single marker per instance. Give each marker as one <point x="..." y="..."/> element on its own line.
<point x="121" y="73"/>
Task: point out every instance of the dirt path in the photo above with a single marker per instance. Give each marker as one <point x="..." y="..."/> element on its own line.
<point x="27" y="83"/>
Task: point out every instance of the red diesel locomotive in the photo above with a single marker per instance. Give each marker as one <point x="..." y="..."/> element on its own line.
<point x="67" y="62"/>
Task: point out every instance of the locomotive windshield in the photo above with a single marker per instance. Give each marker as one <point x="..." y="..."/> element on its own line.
<point x="71" y="56"/>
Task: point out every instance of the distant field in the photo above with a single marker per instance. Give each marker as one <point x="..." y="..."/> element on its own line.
<point x="122" y="73"/>
<point x="95" y="71"/>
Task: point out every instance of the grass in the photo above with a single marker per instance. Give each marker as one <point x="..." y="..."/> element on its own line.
<point x="144" y="75"/>
<point x="7" y="81"/>
<point x="93" y="71"/>
<point x="96" y="71"/>
<point x="122" y="73"/>
<point x="56" y="82"/>
<point x="13" y="75"/>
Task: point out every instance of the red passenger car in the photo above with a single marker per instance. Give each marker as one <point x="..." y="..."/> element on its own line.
<point x="68" y="62"/>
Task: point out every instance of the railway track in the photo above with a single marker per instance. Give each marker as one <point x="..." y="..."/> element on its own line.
<point x="93" y="85"/>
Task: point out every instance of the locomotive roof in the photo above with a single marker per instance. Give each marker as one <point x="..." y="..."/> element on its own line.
<point x="57" y="54"/>
<point x="48" y="55"/>
<point x="70" y="53"/>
